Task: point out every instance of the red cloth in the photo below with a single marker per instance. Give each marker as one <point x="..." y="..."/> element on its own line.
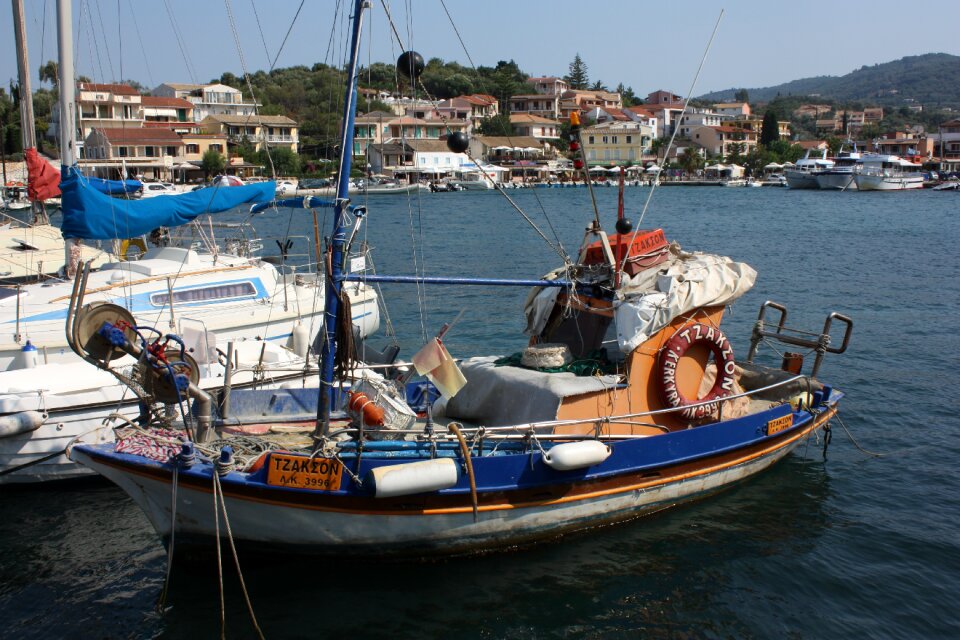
<point x="44" y="180"/>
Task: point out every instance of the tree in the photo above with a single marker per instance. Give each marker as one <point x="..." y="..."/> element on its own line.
<point x="598" y="86"/>
<point x="627" y="96"/>
<point x="496" y="126"/>
<point x="49" y="73"/>
<point x="770" y="129"/>
<point x="285" y="161"/>
<point x="691" y="160"/>
<point x="212" y="162"/>
<point x="741" y="96"/>
<point x="577" y="78"/>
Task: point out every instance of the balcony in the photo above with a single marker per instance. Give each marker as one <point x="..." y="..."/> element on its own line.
<point x="282" y="139"/>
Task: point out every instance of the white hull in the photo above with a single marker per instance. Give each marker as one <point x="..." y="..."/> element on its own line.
<point x="888" y="183"/>
<point x="29" y="252"/>
<point x="801" y="179"/>
<point x="269" y="525"/>
<point x="268" y="308"/>
<point x="836" y="180"/>
<point x="76" y="398"/>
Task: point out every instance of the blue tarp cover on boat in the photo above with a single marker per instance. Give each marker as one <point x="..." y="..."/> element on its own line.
<point x="92" y="215"/>
<point x="112" y="187"/>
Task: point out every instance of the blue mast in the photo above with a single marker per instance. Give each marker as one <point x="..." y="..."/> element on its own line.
<point x="335" y="280"/>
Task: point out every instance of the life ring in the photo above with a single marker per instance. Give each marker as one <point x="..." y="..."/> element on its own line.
<point x="137" y="243"/>
<point x="676" y="347"/>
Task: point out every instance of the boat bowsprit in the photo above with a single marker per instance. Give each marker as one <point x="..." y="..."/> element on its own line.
<point x="484" y="452"/>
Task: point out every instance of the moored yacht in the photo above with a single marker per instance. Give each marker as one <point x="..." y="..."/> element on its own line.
<point x="803" y="175"/>
<point x="889" y="173"/>
<point x="840" y="175"/>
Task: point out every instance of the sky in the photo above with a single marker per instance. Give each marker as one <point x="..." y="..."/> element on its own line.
<point x="645" y="45"/>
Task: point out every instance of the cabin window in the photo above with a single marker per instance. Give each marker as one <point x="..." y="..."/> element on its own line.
<point x="220" y="292"/>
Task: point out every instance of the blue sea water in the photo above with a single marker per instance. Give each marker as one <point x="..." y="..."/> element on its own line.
<point x="852" y="546"/>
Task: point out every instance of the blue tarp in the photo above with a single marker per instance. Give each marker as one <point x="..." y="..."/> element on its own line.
<point x="309" y="202"/>
<point x="114" y="187"/>
<point x="92" y="215"/>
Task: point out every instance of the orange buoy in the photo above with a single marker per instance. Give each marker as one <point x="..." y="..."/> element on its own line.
<point x="361" y="404"/>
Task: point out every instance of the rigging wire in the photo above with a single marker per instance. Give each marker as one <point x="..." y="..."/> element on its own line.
<point x="686" y="103"/>
<point x="106" y="47"/>
<point x="282" y="44"/>
<point x="253" y="96"/>
<point x="253" y="5"/>
<point x="143" y="51"/>
<point x="183" y="51"/>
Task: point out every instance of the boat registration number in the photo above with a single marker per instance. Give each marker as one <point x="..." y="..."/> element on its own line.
<point x="301" y="472"/>
<point x="779" y="424"/>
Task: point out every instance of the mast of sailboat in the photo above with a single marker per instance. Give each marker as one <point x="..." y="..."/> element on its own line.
<point x="68" y="115"/>
<point x="338" y="240"/>
<point x="27" y="124"/>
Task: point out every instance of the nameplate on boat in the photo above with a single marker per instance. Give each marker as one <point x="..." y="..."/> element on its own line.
<point x="301" y="472"/>
<point x="779" y="424"/>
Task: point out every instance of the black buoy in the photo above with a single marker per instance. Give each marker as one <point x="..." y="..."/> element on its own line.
<point x="624" y="226"/>
<point x="458" y="142"/>
<point x="410" y="64"/>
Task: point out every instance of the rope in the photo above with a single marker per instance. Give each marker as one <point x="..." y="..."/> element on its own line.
<point x="162" y="601"/>
<point x="855" y="443"/>
<point x="253" y="5"/>
<point x="218" y="488"/>
<point x="280" y="50"/>
<point x="465" y="450"/>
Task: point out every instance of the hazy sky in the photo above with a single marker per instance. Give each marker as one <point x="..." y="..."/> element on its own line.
<point x="645" y="45"/>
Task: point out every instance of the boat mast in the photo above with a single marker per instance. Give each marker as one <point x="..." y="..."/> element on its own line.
<point x="68" y="109"/>
<point x="338" y="241"/>
<point x="27" y="124"/>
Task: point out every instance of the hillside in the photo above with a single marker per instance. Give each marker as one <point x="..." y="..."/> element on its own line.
<point x="932" y="80"/>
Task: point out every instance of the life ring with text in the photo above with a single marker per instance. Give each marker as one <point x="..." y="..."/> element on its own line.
<point x="676" y="347"/>
<point x="126" y="247"/>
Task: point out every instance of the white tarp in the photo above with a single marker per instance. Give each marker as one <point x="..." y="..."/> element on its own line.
<point x="653" y="298"/>
<point x="650" y="300"/>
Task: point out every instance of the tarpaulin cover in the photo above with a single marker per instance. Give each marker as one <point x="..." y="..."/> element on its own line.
<point x="43" y="181"/>
<point x="114" y="187"/>
<point x="91" y="215"/>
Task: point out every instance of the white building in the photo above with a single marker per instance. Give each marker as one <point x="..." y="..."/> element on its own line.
<point x="209" y="99"/>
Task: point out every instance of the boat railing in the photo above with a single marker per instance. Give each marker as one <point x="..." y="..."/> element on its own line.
<point x="819" y="342"/>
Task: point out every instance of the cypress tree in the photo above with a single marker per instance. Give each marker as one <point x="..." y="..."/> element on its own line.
<point x="770" y="130"/>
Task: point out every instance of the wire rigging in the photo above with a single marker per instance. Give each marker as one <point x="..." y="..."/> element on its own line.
<point x="282" y="44"/>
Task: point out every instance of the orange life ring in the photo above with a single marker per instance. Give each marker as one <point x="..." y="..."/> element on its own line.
<point x="673" y="350"/>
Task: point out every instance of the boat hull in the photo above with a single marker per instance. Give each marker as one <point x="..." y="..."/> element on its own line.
<point x="888" y="183"/>
<point x="843" y="181"/>
<point x="443" y="523"/>
<point x="801" y="180"/>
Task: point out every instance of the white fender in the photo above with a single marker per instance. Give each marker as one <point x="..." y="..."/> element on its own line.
<point x="576" y="455"/>
<point x="414" y="477"/>
<point x="23" y="422"/>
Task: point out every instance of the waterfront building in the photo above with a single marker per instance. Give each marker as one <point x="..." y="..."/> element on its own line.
<point x="209" y="99"/>
<point x="526" y="124"/>
<point x="260" y="131"/>
<point x="723" y="140"/>
<point x="617" y="143"/>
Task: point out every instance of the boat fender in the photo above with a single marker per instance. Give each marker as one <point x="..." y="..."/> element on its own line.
<point x="25" y="359"/>
<point x="22" y="422"/>
<point x="576" y="455"/>
<point x="413" y="477"/>
<point x="300" y="340"/>
<point x="674" y="349"/>
<point x="373" y="414"/>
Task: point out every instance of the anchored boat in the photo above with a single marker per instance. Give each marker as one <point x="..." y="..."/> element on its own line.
<point x="516" y="449"/>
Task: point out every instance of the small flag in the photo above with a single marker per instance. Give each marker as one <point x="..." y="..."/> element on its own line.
<point x="434" y="362"/>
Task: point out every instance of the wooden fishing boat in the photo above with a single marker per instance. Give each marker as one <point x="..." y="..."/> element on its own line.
<point x="515" y="450"/>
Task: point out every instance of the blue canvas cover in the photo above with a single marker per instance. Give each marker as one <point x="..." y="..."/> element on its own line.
<point x="92" y="215"/>
<point x="113" y="187"/>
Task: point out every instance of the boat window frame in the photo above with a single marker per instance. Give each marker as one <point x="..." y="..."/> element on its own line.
<point x="161" y="299"/>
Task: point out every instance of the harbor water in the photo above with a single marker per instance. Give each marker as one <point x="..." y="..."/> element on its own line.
<point x="847" y="545"/>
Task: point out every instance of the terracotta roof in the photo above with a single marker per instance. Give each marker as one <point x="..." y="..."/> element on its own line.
<point x="728" y="105"/>
<point x="479" y="98"/>
<point x="117" y="89"/>
<point x="810" y="144"/>
<point x="535" y="96"/>
<point x="138" y="135"/>
<point x="509" y="141"/>
<point x="183" y="86"/>
<point x="252" y="120"/>
<point x="173" y="103"/>
<point x="529" y="118"/>
<point x="725" y="128"/>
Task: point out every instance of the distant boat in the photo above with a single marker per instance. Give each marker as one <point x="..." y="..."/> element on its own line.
<point x="840" y="175"/>
<point x="889" y="173"/>
<point x="803" y="175"/>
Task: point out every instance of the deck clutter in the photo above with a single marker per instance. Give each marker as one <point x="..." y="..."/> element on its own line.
<point x="485" y="452"/>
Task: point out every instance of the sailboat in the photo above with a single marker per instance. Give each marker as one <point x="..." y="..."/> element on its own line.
<point x="514" y="450"/>
<point x="171" y="290"/>
<point x="35" y="250"/>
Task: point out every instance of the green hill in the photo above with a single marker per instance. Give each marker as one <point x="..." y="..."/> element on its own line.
<point x="932" y="80"/>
